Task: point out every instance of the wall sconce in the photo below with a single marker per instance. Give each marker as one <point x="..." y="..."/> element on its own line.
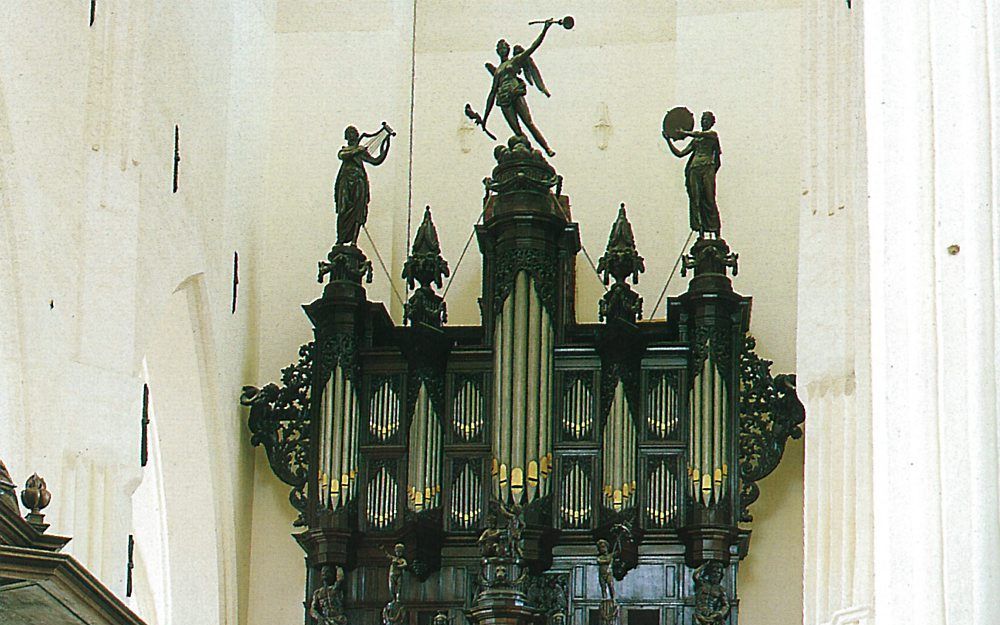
<point x="603" y="129"/>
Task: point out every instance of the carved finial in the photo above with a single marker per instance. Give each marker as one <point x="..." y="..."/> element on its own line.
<point x="426" y="241"/>
<point x="36" y="497"/>
<point x="620" y="261"/>
<point x="426" y="267"/>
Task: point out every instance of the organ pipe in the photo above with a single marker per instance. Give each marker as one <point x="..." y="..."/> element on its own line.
<point x="708" y="468"/>
<point x="424" y="455"/>
<point x="338" y="449"/>
<point x="522" y="403"/>
<point x="619" y="457"/>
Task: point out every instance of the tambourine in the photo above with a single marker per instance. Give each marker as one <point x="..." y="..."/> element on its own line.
<point x="676" y="120"/>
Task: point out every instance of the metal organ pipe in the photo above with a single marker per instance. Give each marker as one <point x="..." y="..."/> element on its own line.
<point x="707" y="444"/>
<point x="338" y="455"/>
<point x="522" y="403"/>
<point x="620" y="442"/>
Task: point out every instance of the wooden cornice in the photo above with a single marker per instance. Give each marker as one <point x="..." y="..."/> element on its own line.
<point x="55" y="588"/>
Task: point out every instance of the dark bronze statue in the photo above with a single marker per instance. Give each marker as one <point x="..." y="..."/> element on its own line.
<point x="351" y="191"/>
<point x="508" y="90"/>
<point x="711" y="605"/>
<point x="605" y="561"/>
<point x="327" y="604"/>
<point x="396" y="565"/>
<point x="699" y="173"/>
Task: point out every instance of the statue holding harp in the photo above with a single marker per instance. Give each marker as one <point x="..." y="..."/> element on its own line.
<point x="351" y="192"/>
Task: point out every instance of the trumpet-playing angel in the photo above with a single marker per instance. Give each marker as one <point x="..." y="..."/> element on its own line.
<point x="509" y="90"/>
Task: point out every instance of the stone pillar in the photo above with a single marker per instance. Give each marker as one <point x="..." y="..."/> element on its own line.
<point x="898" y="314"/>
<point x="932" y="84"/>
<point x="833" y="360"/>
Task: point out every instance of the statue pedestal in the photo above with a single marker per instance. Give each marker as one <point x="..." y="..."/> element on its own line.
<point x="502" y="602"/>
<point x="504" y="607"/>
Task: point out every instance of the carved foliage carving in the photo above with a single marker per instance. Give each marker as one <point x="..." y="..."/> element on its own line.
<point x="539" y="264"/>
<point x="770" y="413"/>
<point x="279" y="420"/>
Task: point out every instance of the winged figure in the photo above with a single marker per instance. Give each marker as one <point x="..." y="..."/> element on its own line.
<point x="508" y="90"/>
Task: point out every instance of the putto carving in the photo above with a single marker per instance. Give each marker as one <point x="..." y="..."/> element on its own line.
<point x="426" y="267"/>
<point x="605" y="561"/>
<point x="279" y="420"/>
<point x="397" y="563"/>
<point x="351" y="191"/>
<point x="770" y="414"/>
<point x="711" y="603"/>
<point x="621" y="260"/>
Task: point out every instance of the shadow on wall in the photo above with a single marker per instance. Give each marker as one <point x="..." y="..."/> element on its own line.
<point x="175" y="517"/>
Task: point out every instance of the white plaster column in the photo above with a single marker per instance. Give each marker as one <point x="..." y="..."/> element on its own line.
<point x="833" y="321"/>
<point x="931" y="83"/>
<point x="898" y="313"/>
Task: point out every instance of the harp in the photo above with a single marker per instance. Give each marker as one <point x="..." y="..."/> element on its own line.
<point x="372" y="142"/>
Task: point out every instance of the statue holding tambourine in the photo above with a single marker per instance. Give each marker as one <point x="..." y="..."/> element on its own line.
<point x="699" y="173"/>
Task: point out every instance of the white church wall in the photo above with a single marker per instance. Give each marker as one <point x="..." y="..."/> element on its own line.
<point x="96" y="243"/>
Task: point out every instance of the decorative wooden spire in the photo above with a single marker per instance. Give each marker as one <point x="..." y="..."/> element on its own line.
<point x="425" y="266"/>
<point x="620" y="261"/>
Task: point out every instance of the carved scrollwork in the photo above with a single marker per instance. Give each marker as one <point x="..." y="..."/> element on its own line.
<point x="625" y="372"/>
<point x="279" y="420"/>
<point x="539" y="264"/>
<point x="339" y="349"/>
<point x="711" y="339"/>
<point x="549" y="593"/>
<point x="770" y="413"/>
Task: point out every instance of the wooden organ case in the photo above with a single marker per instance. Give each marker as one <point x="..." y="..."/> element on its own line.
<point x="497" y="457"/>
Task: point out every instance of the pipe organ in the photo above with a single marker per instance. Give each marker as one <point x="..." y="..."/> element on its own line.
<point x="499" y="454"/>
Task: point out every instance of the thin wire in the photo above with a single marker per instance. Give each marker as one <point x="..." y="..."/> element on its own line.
<point x="671" y="277"/>
<point x="464" y="250"/>
<point x="593" y="266"/>
<point x="409" y="173"/>
<point x="384" y="269"/>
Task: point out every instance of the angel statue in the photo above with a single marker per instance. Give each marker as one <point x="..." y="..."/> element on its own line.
<point x="508" y="90"/>
<point x="351" y="192"/>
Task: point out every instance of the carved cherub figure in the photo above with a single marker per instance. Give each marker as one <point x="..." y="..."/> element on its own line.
<point x="396" y="565"/>
<point x="515" y="526"/>
<point x="605" y="561"/>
